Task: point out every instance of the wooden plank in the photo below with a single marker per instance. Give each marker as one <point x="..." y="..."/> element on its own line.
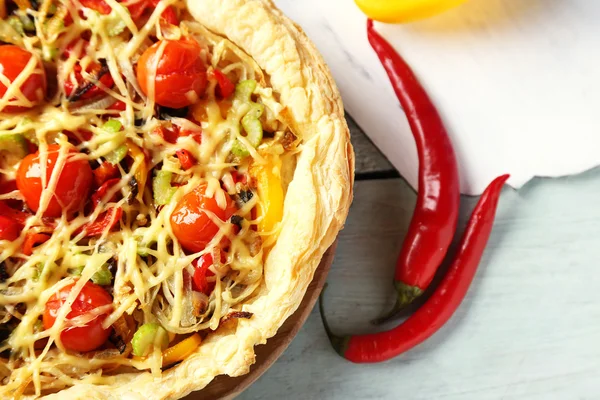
<point x="528" y="328"/>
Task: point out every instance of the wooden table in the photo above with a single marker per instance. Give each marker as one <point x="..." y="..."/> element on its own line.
<point x="529" y="328"/>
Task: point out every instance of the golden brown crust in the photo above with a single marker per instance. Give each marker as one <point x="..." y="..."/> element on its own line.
<point x="316" y="203"/>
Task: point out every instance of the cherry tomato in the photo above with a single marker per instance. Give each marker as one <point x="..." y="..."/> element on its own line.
<point x="13" y="61"/>
<point x="72" y="188"/>
<point x="97" y="5"/>
<point x="201" y="272"/>
<point x="81" y="83"/>
<point x="9" y="229"/>
<point x="180" y="78"/>
<point x="84" y="338"/>
<point x="191" y="224"/>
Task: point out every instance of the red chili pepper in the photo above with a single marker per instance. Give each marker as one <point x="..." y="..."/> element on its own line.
<point x="32" y="240"/>
<point x="441" y="305"/>
<point x="105" y="222"/>
<point x="9" y="229"/>
<point x="105" y="172"/>
<point x="436" y="213"/>
<point x="201" y="272"/>
<point x="102" y="190"/>
<point x="225" y="87"/>
<point x="186" y="159"/>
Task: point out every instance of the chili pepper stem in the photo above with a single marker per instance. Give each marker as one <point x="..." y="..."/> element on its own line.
<point x="406" y="294"/>
<point x="339" y="343"/>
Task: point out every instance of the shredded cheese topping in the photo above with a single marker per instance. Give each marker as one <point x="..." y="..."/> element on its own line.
<point x="151" y="271"/>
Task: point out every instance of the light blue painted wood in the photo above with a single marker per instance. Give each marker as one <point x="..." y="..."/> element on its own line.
<point x="528" y="329"/>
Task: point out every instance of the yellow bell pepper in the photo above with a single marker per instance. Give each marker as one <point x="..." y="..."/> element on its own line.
<point x="270" y="193"/>
<point x="181" y="350"/>
<point x="393" y="11"/>
<point x="141" y="173"/>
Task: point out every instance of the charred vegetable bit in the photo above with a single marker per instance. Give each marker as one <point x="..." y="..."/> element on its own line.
<point x="168" y="113"/>
<point x="237" y="315"/>
<point x="133" y="186"/>
<point x="89" y="85"/>
<point x="237" y="220"/>
<point x="3" y="272"/>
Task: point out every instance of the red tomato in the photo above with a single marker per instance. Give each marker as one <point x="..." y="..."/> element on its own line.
<point x="80" y="82"/>
<point x="201" y="272"/>
<point x="192" y="225"/>
<point x="9" y="229"/>
<point x="13" y="61"/>
<point x="72" y="188"/>
<point x="84" y="338"/>
<point x="180" y="77"/>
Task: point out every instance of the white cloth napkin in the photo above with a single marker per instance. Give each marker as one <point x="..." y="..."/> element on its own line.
<point x="517" y="82"/>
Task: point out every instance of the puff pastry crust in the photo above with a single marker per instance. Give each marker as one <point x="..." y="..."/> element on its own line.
<point x="316" y="204"/>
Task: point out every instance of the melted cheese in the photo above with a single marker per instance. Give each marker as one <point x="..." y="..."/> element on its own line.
<point x="154" y="286"/>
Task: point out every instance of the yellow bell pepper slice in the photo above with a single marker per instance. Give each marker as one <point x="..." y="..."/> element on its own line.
<point x="181" y="350"/>
<point x="394" y="11"/>
<point x="141" y="173"/>
<point x="270" y="193"/>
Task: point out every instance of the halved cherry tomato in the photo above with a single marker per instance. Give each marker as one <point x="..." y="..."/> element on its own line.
<point x="225" y="87"/>
<point x="105" y="172"/>
<point x="201" y="272"/>
<point x="105" y="222"/>
<point x="180" y="79"/>
<point x="9" y="229"/>
<point x="186" y="159"/>
<point x="13" y="61"/>
<point x="84" y="338"/>
<point x="89" y="90"/>
<point x="190" y="222"/>
<point x="32" y="240"/>
<point x="72" y="187"/>
<point x="102" y="190"/>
